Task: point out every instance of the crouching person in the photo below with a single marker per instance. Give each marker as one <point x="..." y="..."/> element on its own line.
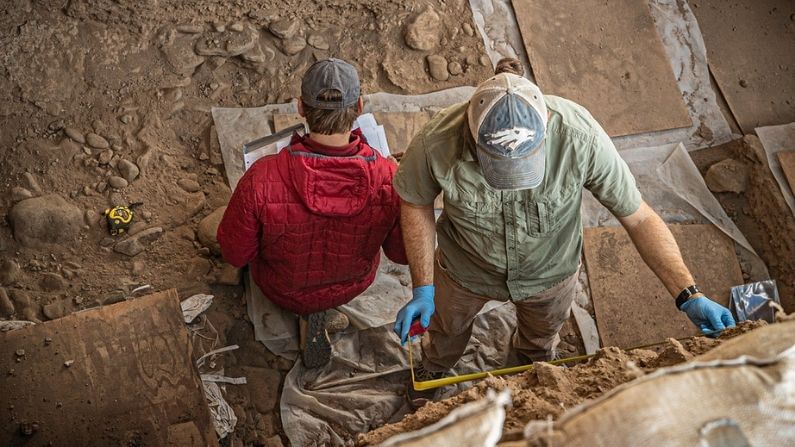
<point x="311" y="220"/>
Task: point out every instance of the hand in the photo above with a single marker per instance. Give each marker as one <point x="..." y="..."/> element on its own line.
<point x="708" y="315"/>
<point x="421" y="306"/>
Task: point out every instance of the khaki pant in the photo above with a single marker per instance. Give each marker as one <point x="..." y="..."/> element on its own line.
<point x="539" y="319"/>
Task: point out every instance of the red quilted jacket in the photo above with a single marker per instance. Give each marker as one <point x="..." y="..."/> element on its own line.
<point x="311" y="221"/>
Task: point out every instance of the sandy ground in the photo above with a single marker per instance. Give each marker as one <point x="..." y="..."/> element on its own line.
<point x="106" y="102"/>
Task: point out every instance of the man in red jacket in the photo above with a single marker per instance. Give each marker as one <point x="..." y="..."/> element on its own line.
<point x="312" y="219"/>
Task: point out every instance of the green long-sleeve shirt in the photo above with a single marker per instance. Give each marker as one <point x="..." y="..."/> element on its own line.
<point x="514" y="244"/>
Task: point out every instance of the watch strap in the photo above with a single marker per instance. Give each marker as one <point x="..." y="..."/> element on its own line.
<point x="685" y="295"/>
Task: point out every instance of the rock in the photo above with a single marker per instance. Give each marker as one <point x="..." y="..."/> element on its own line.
<point x="6" y="306"/>
<point x="484" y="61"/>
<point x="550" y="376"/>
<point x="19" y="193"/>
<point x="134" y="245"/>
<point x="258" y="54"/>
<point x="227" y="44"/>
<point x="52" y="282"/>
<point x="24" y="305"/>
<point x="105" y="157"/>
<point x="673" y="354"/>
<point x="437" y="65"/>
<point x="117" y="182"/>
<point x="138" y="267"/>
<point x="229" y="275"/>
<point x="189" y="185"/>
<point x="424" y="31"/>
<point x="97" y="141"/>
<point x="56" y="309"/>
<point x="48" y="219"/>
<point x="454" y="68"/>
<point x="468" y="29"/>
<point x="284" y="29"/>
<point x="194" y="203"/>
<point x="263" y="387"/>
<point x="136" y="228"/>
<point x="185" y="232"/>
<point x="237" y="27"/>
<point x="9" y="271"/>
<point x="75" y="134"/>
<point x="293" y="45"/>
<point x="728" y="175"/>
<point x="208" y="228"/>
<point x="318" y="41"/>
<point x="180" y="55"/>
<point x="190" y="29"/>
<point x="198" y="268"/>
<point x="32" y="183"/>
<point x="128" y="170"/>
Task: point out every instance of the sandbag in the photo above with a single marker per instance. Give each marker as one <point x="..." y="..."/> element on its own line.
<point x="723" y="398"/>
<point x="475" y="424"/>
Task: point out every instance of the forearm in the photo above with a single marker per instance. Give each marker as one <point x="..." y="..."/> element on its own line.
<point x="658" y="248"/>
<point x="418" y="226"/>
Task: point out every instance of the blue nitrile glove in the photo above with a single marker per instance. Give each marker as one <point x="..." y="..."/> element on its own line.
<point x="421" y="306"/>
<point x="708" y="315"/>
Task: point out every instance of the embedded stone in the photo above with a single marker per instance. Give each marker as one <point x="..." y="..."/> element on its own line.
<point x="424" y="31"/>
<point x="134" y="245"/>
<point x="208" y="228"/>
<point x="437" y="66"/>
<point x="48" y="219"/>
<point x="117" y="182"/>
<point x="284" y="29"/>
<point x="97" y="141"/>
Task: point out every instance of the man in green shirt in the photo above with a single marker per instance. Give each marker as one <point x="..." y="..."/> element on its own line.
<point x="512" y="164"/>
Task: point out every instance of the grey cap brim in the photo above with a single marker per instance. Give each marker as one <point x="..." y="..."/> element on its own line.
<point x="513" y="173"/>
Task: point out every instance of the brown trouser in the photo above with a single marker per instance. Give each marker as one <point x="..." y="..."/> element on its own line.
<point x="538" y="321"/>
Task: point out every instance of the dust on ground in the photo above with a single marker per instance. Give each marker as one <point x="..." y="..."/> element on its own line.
<point x="547" y="391"/>
<point x="107" y="102"/>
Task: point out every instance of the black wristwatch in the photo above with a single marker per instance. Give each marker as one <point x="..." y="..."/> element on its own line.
<point x="685" y="295"/>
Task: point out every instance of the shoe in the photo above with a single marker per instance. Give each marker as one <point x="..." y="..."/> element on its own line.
<point x="336" y="321"/>
<point x="419" y="398"/>
<point x="315" y="344"/>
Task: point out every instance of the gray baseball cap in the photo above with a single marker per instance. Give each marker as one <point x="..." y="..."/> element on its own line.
<point x="508" y="119"/>
<point x="330" y="74"/>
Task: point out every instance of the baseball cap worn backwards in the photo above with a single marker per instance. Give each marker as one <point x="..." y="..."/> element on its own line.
<point x="508" y="119"/>
<point x="330" y="74"/>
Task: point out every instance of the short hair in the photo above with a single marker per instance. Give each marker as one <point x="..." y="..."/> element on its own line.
<point x="509" y="65"/>
<point x="330" y="121"/>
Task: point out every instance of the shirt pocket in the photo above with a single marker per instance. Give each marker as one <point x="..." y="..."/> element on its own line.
<point x="544" y="217"/>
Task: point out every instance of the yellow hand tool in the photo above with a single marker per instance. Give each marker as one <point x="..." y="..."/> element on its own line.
<point x="444" y="381"/>
<point x="120" y="218"/>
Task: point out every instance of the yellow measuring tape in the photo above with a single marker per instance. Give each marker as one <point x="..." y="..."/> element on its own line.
<point x="444" y="381"/>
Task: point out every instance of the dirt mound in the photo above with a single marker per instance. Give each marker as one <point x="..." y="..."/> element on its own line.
<point x="547" y="391"/>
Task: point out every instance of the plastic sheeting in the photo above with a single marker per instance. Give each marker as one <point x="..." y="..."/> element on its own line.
<point x="683" y="44"/>
<point x="776" y="139"/>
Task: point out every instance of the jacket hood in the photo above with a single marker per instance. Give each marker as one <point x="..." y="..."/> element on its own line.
<point x="332" y="185"/>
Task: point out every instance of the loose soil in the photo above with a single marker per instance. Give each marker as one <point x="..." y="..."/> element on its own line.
<point x="547" y="391"/>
